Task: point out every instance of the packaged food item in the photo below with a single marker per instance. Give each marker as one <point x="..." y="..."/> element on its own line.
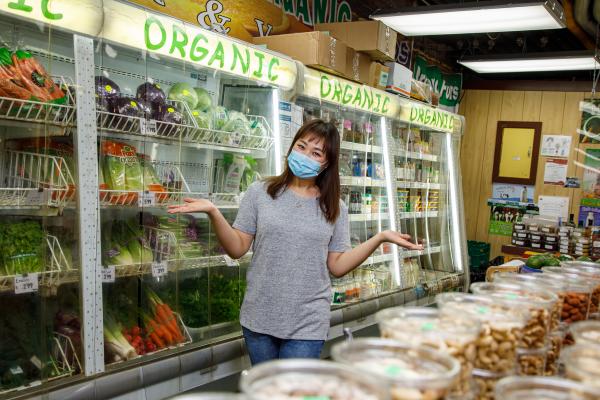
<point x="577" y="296"/>
<point x="555" y="345"/>
<point x="582" y="363"/>
<point x="410" y="372"/>
<point x="539" y="303"/>
<point x="424" y="326"/>
<point x="586" y="332"/>
<point x="526" y="388"/>
<point x="309" y="379"/>
<point x="591" y="271"/>
<point x="532" y="362"/>
<point x="501" y="328"/>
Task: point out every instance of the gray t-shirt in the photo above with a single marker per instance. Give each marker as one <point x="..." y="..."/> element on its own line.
<point x="288" y="292"/>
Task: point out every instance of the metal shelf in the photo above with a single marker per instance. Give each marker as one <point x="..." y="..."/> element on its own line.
<point x="417" y="214"/>
<point x="361" y="147"/>
<point x="416" y="155"/>
<point x="418" y="185"/>
<point x="367" y="217"/>
<point x="378" y="259"/>
<point x="361" y="181"/>
<point x="417" y="253"/>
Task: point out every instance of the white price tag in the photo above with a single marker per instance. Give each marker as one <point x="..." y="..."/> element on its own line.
<point x="230" y="262"/>
<point x="108" y="274"/>
<point x="146" y="199"/>
<point x="35" y="197"/>
<point x="160" y="268"/>
<point x="26" y="283"/>
<point x="148" y="127"/>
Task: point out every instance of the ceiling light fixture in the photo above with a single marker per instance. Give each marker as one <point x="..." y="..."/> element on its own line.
<point x="479" y="17"/>
<point x="533" y="62"/>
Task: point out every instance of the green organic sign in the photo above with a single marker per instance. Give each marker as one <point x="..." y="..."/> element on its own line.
<point x="501" y="228"/>
<point x="446" y="86"/>
<point x="431" y="117"/>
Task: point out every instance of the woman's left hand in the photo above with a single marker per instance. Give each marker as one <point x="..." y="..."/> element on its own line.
<point x="401" y="239"/>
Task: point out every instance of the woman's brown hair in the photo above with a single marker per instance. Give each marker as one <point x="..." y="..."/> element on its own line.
<point x="328" y="180"/>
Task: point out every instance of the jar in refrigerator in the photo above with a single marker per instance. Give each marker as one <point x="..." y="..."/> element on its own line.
<point x="586" y="332"/>
<point x="582" y="363"/>
<point x="410" y="372"/>
<point x="355" y="202"/>
<point x="501" y="328"/>
<point x="577" y="297"/>
<point x="538" y="303"/>
<point x="309" y="379"/>
<point x="424" y="326"/>
<point x="530" y="388"/>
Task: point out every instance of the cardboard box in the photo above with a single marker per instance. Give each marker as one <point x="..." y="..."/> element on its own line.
<point x="378" y="75"/>
<point x="371" y="37"/>
<point x="399" y="79"/>
<point x="357" y="65"/>
<point x="316" y="49"/>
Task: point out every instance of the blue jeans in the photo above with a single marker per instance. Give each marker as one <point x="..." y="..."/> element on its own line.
<point x="263" y="347"/>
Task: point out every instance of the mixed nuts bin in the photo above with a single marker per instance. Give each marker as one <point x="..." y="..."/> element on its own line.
<point x="522" y="336"/>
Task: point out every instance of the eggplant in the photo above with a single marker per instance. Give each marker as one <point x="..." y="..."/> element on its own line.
<point x="172" y="115"/>
<point x="128" y="107"/>
<point x="151" y="93"/>
<point x="106" y="88"/>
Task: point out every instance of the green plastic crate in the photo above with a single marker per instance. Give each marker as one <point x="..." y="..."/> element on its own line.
<point x="479" y="254"/>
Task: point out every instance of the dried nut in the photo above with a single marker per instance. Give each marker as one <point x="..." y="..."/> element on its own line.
<point x="416" y="394"/>
<point x="496" y="348"/>
<point x="485" y="386"/>
<point x="531" y="362"/>
<point x="575" y="307"/>
<point x="554" y="347"/>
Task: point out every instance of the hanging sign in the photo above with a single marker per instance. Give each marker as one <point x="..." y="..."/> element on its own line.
<point x="134" y="27"/>
<point x="446" y="86"/>
<point x="337" y="90"/>
<point x="81" y="16"/>
<point x="244" y="19"/>
<point x="434" y="118"/>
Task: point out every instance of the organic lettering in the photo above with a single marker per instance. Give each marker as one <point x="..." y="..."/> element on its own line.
<point x="332" y="10"/>
<point x="197" y="52"/>
<point x="178" y="42"/>
<point x="384" y="107"/>
<point x="320" y="11"/>
<point x="337" y="90"/>
<point x="20" y="5"/>
<point x="274" y="62"/>
<point x="237" y="55"/>
<point x="347" y="97"/>
<point x="413" y="114"/>
<point x="48" y="14"/>
<point x="219" y="54"/>
<point x="325" y="84"/>
<point x="378" y="97"/>
<point x="357" y="98"/>
<point x="288" y="6"/>
<point x="368" y="100"/>
<point x="259" y="72"/>
<point x="303" y="12"/>
<point x="163" y="34"/>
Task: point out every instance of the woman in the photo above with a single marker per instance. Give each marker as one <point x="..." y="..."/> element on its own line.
<point x="300" y="232"/>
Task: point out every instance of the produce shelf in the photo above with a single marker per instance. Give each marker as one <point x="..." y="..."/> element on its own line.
<point x="416" y="156"/>
<point x="361" y="181"/>
<point x="417" y="214"/>
<point x="361" y="147"/>
<point x="57" y="270"/>
<point x="58" y="118"/>
<point x="34" y="181"/>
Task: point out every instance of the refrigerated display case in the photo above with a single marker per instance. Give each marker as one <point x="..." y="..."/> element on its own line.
<point x="399" y="171"/>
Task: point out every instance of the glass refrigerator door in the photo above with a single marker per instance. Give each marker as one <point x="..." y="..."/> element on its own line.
<point x="170" y="131"/>
<point x="364" y="192"/>
<point x="423" y="162"/>
<point x="40" y="318"/>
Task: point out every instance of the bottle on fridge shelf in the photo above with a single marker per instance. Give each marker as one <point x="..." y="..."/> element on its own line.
<point x="367" y="200"/>
<point x="347" y="135"/>
<point x="355" y="202"/>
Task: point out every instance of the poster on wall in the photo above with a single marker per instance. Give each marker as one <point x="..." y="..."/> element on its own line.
<point x="554" y="206"/>
<point x="510" y="192"/>
<point x="245" y="19"/>
<point x="589" y="131"/>
<point x="503" y="215"/>
<point x="555" y="172"/>
<point x="589" y="216"/>
<point x="446" y="86"/>
<point x="591" y="179"/>
<point x="555" y="146"/>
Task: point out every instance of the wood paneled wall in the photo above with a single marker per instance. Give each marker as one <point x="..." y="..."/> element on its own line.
<point x="559" y="114"/>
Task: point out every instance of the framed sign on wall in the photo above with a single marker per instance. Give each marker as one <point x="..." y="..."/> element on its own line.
<point x="517" y="151"/>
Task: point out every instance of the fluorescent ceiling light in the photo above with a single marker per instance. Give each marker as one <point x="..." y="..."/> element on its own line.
<point x="567" y="61"/>
<point x="480" y="17"/>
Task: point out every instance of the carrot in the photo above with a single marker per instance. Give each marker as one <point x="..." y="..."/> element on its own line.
<point x="168" y="321"/>
<point x="161" y="331"/>
<point x="157" y="340"/>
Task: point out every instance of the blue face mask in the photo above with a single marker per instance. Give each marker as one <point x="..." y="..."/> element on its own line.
<point x="303" y="166"/>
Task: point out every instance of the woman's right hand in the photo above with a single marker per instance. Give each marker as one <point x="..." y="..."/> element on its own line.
<point x="192" y="206"/>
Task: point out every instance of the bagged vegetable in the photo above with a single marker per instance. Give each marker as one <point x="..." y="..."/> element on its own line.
<point x="202" y="118"/>
<point x="106" y="92"/>
<point x="128" y="107"/>
<point x="219" y="117"/>
<point x="250" y="174"/>
<point x="22" y="245"/>
<point x="173" y="116"/>
<point x="235" y="168"/>
<point x="122" y="171"/>
<point x="114" y="250"/>
<point x="184" y="92"/>
<point x="152" y="93"/>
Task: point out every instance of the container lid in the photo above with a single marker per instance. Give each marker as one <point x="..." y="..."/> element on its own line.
<point x="586" y="272"/>
<point x="543" y="388"/>
<point x="295" y="379"/>
<point x="577" y="264"/>
<point x="582" y="362"/>
<point x="516" y="295"/>
<point x="574" y="282"/>
<point x="425" y="325"/>
<point x="541" y="280"/>
<point x="400" y="364"/>
<point x="586" y="332"/>
<point x="209" y="396"/>
<point x="483" y="309"/>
